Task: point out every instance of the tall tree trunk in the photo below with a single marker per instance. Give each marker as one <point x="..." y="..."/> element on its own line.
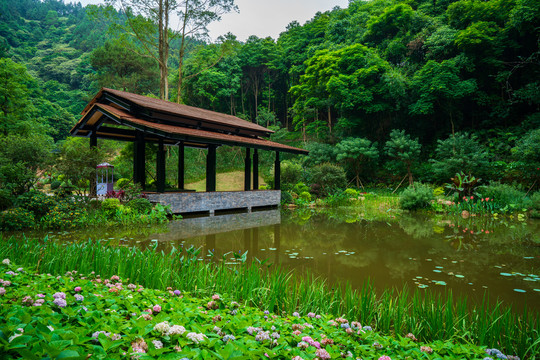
<point x="329" y="119"/>
<point x="409" y="173"/>
<point x="181" y="54"/>
<point x="163" y="48"/>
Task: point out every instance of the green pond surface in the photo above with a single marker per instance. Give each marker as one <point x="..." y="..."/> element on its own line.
<point x="432" y="253"/>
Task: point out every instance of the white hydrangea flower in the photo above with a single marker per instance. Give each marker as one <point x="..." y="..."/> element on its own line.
<point x="176" y="330"/>
<point x="196" y="338"/>
<point x="163" y="328"/>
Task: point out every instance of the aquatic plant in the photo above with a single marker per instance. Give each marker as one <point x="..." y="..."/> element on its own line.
<point x="429" y="316"/>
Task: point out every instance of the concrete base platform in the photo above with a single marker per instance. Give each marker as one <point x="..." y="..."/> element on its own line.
<point x="210" y="202"/>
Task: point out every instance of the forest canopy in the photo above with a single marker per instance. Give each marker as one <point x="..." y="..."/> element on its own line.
<point x="427" y="68"/>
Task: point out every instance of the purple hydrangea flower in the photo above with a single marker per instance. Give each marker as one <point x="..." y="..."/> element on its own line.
<point x="60" y="302"/>
<point x="59" y="295"/>
<point x="79" y="297"/>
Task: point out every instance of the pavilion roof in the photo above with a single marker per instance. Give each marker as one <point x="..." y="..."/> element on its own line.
<point x="118" y="115"/>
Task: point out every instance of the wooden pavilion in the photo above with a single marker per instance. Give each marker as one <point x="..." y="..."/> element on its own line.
<point x="119" y="115"/>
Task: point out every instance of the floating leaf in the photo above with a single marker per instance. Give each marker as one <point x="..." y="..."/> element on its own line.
<point x="506" y="274"/>
<point x="440" y="283"/>
<point x="519" y="290"/>
<point x="437" y="271"/>
<point x="460" y="276"/>
<point x="439" y="267"/>
<point x="528" y="257"/>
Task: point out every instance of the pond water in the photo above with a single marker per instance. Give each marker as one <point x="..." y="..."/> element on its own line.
<point x="432" y="253"/>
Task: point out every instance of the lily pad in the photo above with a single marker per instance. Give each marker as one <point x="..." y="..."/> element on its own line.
<point x="519" y="290"/>
<point x="437" y="271"/>
<point x="505" y="274"/>
<point x="459" y="276"/>
<point x="440" y="283"/>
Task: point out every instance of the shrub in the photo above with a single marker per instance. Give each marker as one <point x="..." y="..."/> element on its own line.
<point x="140" y="205"/>
<point x="286" y="197"/>
<point x="36" y="202"/>
<point x="351" y="193"/>
<point x="319" y="153"/>
<point x="504" y="196"/>
<point x="535" y="204"/>
<point x="291" y="173"/>
<point x="16" y="219"/>
<point x="6" y="199"/>
<point x="122" y="183"/>
<point x="300" y="188"/>
<point x="418" y="196"/>
<point x="305" y="196"/>
<point x="327" y="178"/>
<point x="535" y="200"/>
<point x="66" y="214"/>
<point x="528" y="148"/>
<point x="55" y="184"/>
<point x="110" y="205"/>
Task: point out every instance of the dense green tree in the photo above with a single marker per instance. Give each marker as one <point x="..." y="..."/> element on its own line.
<point x="118" y="66"/>
<point x="21" y="158"/>
<point x="195" y="16"/>
<point x="359" y="154"/>
<point x="14" y="96"/>
<point x="404" y="149"/>
<point x="461" y="152"/>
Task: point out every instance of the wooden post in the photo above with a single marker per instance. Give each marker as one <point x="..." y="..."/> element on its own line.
<point x="139" y="160"/>
<point x="181" y="165"/>
<point x="247" y="170"/>
<point x="277" y="173"/>
<point x="211" y="169"/>
<point x="160" y="167"/>
<point x="93" y="180"/>
<point x="255" y="169"/>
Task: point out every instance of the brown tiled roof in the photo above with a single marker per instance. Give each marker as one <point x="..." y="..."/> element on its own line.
<point x="181" y="111"/>
<point x="195" y="135"/>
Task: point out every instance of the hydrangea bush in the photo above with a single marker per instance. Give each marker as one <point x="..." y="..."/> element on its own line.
<point x="75" y="315"/>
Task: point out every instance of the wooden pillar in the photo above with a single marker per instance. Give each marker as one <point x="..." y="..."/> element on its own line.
<point x="277" y="173"/>
<point x="139" y="160"/>
<point x="255" y="169"/>
<point x="181" y="165"/>
<point x="93" y="180"/>
<point x="247" y="170"/>
<point x="160" y="167"/>
<point x="211" y="169"/>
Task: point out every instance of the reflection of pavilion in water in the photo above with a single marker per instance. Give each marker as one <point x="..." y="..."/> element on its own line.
<point x="209" y="226"/>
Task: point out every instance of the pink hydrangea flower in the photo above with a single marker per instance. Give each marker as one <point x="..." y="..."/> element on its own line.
<point x="323" y="354"/>
<point x="215" y="297"/>
<point x="385" y="357"/>
<point x="157" y="308"/>
<point x="77" y="289"/>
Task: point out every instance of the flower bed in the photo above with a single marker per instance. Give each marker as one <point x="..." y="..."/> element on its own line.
<point x="74" y="315"/>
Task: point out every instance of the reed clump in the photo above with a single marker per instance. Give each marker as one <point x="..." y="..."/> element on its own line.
<point x="429" y="316"/>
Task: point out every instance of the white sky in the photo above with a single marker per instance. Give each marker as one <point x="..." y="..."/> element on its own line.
<point x="262" y="17"/>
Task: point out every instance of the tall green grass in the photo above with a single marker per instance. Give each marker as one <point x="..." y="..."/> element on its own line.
<point x="429" y="316"/>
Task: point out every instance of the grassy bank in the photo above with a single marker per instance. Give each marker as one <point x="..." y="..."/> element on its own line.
<point x="430" y="317"/>
<point x="81" y="316"/>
